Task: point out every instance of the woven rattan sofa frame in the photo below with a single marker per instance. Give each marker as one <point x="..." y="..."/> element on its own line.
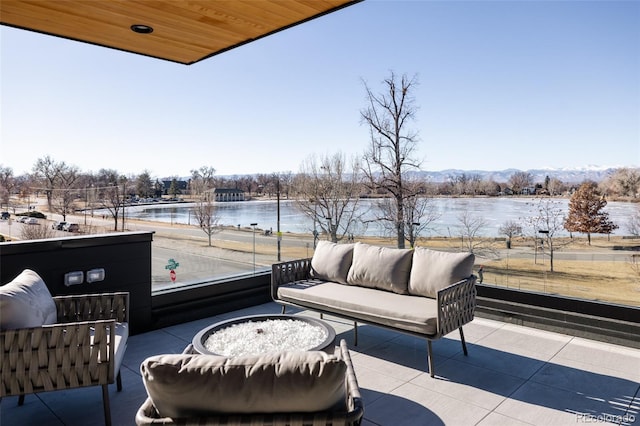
<point x="456" y="304"/>
<point x="75" y="352"/>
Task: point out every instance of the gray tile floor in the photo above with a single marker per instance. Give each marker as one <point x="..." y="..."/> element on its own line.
<point x="513" y="376"/>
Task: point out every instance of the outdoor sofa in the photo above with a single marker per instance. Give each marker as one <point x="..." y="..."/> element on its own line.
<point x="419" y="291"/>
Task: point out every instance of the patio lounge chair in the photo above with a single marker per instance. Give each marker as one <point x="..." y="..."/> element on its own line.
<point x="54" y="343"/>
<point x="276" y="389"/>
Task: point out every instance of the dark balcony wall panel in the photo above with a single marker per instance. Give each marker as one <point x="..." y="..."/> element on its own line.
<point x="125" y="257"/>
<point x="185" y="304"/>
<point x="607" y="322"/>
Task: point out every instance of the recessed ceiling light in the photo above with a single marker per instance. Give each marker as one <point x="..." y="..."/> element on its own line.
<point x="141" y="29"/>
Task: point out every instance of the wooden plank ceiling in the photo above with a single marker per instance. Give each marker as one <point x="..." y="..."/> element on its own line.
<point x="184" y="31"/>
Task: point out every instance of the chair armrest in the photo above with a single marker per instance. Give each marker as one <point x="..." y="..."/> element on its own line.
<point x="456" y="305"/>
<point x="288" y="272"/>
<point x="92" y="307"/>
<point x="59" y="356"/>
<point x="354" y="398"/>
<point x="148" y="415"/>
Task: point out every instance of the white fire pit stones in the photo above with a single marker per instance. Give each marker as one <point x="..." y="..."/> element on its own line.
<point x="259" y="337"/>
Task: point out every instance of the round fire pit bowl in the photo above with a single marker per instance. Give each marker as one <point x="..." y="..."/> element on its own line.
<point x="257" y="334"/>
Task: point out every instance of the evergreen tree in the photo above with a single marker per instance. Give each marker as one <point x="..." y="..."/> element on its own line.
<point x="586" y="214"/>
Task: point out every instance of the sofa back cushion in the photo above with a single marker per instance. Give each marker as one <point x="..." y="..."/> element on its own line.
<point x="380" y="267"/>
<point x="434" y="270"/>
<point x="331" y="261"/>
<point x="26" y="302"/>
<point x="284" y="382"/>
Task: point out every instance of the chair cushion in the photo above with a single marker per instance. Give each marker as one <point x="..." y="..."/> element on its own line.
<point x="331" y="261"/>
<point x="380" y="267"/>
<point x="434" y="270"/>
<point x="26" y="302"/>
<point x="121" y="335"/>
<point x="184" y="385"/>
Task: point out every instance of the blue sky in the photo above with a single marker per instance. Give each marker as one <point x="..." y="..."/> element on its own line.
<point x="522" y="84"/>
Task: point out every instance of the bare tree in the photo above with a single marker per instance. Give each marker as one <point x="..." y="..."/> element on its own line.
<point x="624" y="182"/>
<point x="327" y="191"/>
<point x="391" y="151"/>
<point x="547" y="221"/>
<point x="7" y="184"/>
<point x="36" y="232"/>
<point x="585" y="212"/>
<point x="110" y="194"/>
<point x="471" y="227"/>
<point x="555" y="186"/>
<point x="205" y="213"/>
<point x="510" y="228"/>
<point x="633" y="226"/>
<point x="202" y="180"/>
<point x="420" y="212"/>
<point x="47" y="171"/>
<point x="66" y="191"/>
<point x="520" y="180"/>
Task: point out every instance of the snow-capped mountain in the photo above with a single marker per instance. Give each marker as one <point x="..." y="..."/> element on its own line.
<point x="567" y="175"/>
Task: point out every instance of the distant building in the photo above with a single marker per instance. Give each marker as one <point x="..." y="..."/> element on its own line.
<point x="228" y="194"/>
<point x="181" y="186"/>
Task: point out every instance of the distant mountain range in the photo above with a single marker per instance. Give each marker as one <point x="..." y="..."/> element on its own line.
<point x="566" y="175"/>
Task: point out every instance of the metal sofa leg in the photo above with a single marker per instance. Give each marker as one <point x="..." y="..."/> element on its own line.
<point x="430" y="357"/>
<point x="119" y="382"/>
<point x="355" y="333"/>
<point x="107" y="407"/>
<point x="20" y="400"/>
<point x="464" y="344"/>
<point x="283" y="309"/>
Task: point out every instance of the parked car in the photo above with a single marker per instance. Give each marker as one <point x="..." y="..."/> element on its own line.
<point x="71" y="227"/>
<point x="5" y="215"/>
<point x="23" y="219"/>
<point x="32" y="221"/>
<point x="58" y="225"/>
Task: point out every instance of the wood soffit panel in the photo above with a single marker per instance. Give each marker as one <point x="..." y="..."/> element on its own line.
<point x="184" y="31"/>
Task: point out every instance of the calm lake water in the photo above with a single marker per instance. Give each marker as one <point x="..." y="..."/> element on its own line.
<point x="494" y="211"/>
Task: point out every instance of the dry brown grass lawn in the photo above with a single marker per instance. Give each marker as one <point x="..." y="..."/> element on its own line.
<point x="617" y="282"/>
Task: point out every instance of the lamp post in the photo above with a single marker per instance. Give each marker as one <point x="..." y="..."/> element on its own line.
<point x="254" y="246"/>
<point x="86" y="196"/>
<point x="544" y="232"/>
<point x="315" y="222"/>
<point x="278" y="234"/>
<point x="330" y="228"/>
<point x="414" y="237"/>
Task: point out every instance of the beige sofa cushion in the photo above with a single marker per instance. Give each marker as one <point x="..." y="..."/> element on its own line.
<point x="331" y="261"/>
<point x="26" y="302"/>
<point x="380" y="267"/>
<point x="411" y="313"/>
<point x="284" y="382"/>
<point x="434" y="270"/>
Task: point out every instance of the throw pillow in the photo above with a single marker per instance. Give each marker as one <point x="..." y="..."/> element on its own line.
<point x="331" y="261"/>
<point x="434" y="270"/>
<point x="380" y="267"/>
<point x="26" y="302"/>
<point x="284" y="382"/>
